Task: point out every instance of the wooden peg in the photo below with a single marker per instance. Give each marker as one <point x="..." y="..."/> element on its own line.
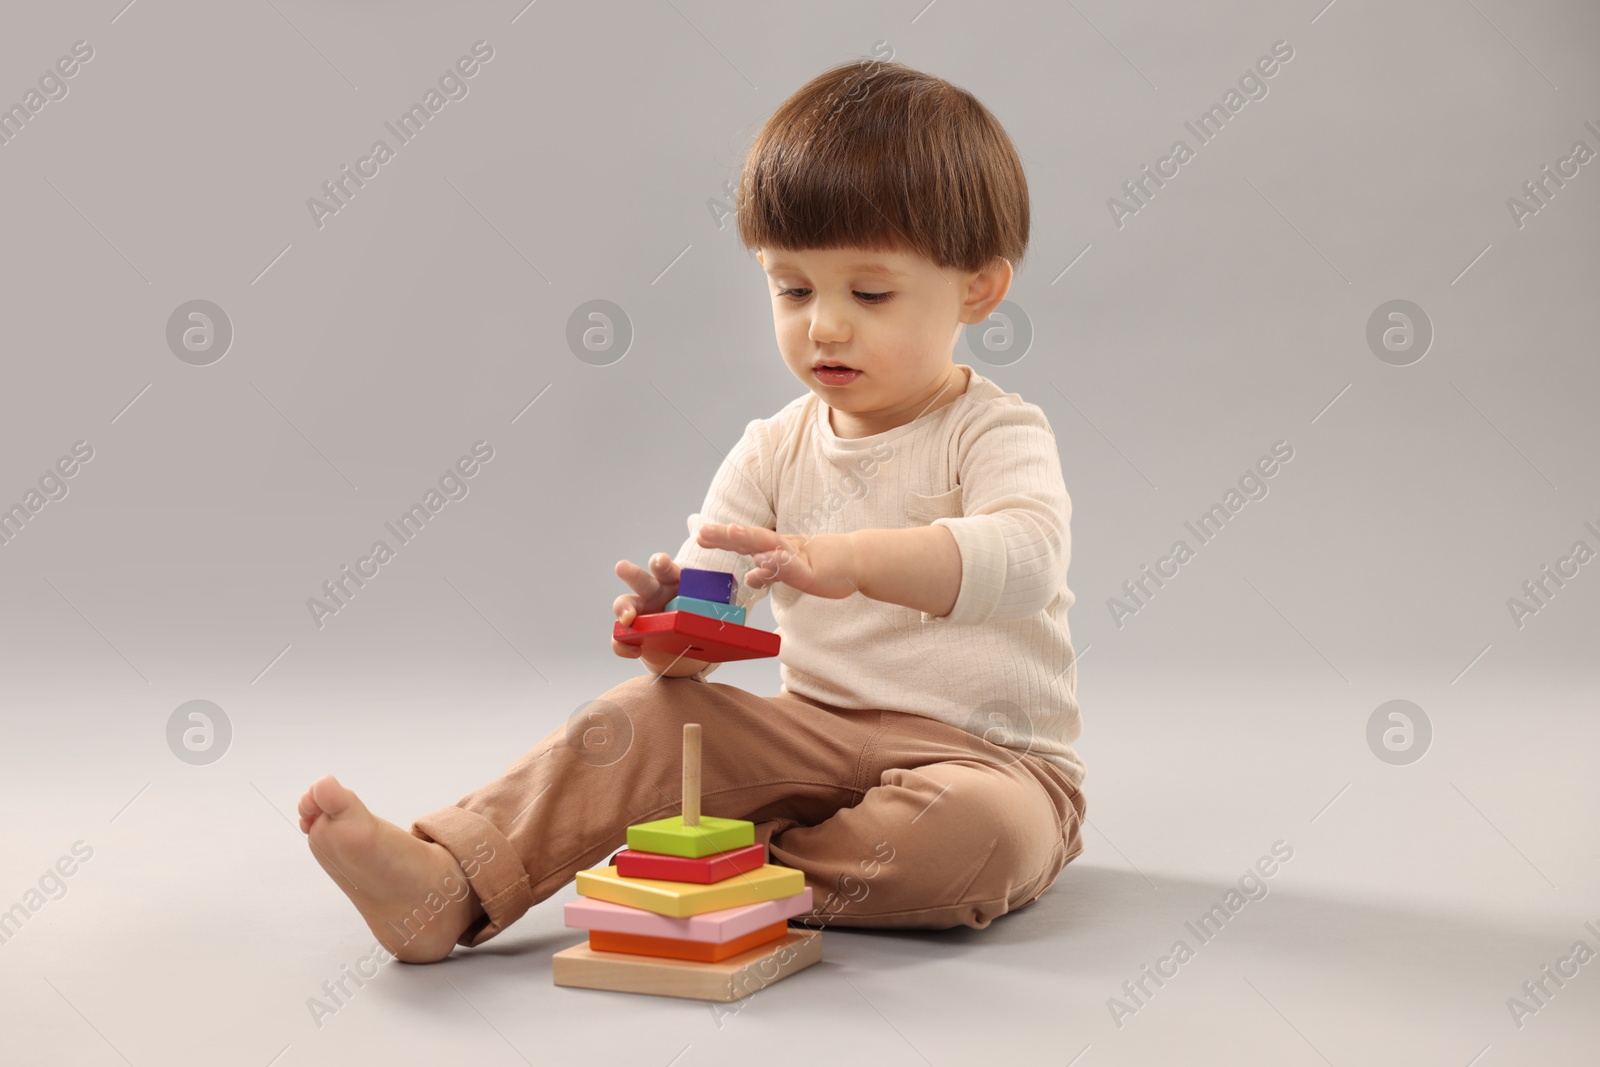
<point x="691" y="774"/>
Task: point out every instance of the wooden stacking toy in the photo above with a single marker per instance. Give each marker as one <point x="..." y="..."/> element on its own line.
<point x="701" y="622"/>
<point x="690" y="909"/>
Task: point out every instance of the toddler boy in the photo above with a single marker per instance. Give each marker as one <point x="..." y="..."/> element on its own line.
<point x="908" y="518"/>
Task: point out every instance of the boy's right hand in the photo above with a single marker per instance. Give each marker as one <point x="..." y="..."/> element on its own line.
<point x="652" y="589"/>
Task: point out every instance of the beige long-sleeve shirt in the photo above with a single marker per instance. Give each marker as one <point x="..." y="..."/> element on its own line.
<point x="986" y="466"/>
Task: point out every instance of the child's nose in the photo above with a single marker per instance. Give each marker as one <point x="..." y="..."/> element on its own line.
<point x="829" y="326"/>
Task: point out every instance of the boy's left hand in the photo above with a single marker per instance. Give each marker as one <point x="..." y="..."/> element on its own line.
<point x="822" y="565"/>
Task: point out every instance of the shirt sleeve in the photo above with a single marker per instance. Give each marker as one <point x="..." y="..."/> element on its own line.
<point x="739" y="493"/>
<point x="1014" y="529"/>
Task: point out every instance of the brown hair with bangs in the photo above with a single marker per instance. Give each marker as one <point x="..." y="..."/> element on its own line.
<point x="873" y="154"/>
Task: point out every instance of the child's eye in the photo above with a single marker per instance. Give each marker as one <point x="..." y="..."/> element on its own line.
<point x="871" y="298"/>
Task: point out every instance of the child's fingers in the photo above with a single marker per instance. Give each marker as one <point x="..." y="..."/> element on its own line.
<point x="738" y="538"/>
<point x="625" y="607"/>
<point x="665" y="571"/>
<point x="652" y="584"/>
<point x="642" y="581"/>
<point x="635" y="576"/>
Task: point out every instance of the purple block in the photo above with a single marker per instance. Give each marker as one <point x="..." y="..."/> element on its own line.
<point x="706" y="585"/>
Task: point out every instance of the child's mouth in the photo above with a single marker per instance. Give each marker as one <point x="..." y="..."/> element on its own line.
<point x="836" y="375"/>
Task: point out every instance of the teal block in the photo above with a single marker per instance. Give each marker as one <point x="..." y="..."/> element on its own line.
<point x="709" y="608"/>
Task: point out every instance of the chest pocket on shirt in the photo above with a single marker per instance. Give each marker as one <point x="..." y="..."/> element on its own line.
<point x="922" y="509"/>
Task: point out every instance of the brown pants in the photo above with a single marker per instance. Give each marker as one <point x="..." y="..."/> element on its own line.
<point x="897" y="820"/>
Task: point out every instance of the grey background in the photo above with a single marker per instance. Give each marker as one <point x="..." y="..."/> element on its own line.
<point x="1229" y="313"/>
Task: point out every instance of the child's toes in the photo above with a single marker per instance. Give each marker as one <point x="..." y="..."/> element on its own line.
<point x="331" y="798"/>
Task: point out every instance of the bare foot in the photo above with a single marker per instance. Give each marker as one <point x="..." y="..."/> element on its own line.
<point x="412" y="893"/>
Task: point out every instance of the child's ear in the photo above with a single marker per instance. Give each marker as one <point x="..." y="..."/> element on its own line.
<point x="987" y="289"/>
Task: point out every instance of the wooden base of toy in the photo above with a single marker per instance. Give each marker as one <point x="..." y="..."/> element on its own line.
<point x="732" y="979"/>
<point x="676" y="633"/>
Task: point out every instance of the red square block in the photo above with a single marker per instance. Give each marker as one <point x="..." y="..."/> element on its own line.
<point x="697" y="637"/>
<point x="707" y="869"/>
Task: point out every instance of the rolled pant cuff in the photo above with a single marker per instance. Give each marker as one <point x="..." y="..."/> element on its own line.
<point x="501" y="883"/>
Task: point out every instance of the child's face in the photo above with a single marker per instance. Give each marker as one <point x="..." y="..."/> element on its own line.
<point x="897" y="330"/>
